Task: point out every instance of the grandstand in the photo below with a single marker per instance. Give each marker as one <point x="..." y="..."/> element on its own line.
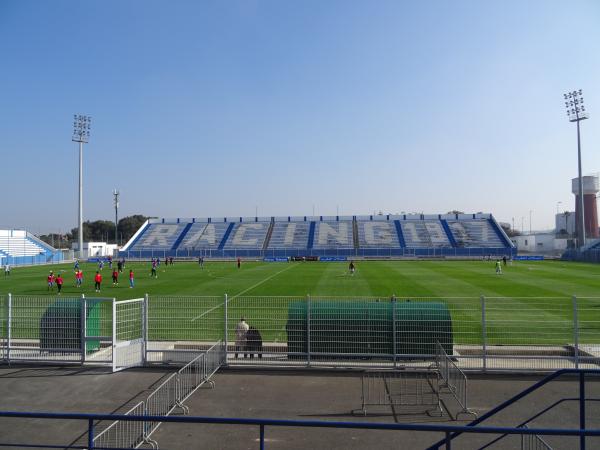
<point x="18" y="247"/>
<point x="422" y="235"/>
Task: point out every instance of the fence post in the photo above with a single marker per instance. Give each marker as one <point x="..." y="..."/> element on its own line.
<point x="145" y="330"/>
<point x="83" y="327"/>
<point x="308" y="330"/>
<point x="483" y="333"/>
<point x="114" y="334"/>
<point x="582" y="409"/>
<point x="575" y="332"/>
<point x="8" y="327"/>
<point x="394" y="344"/>
<point x="90" y="434"/>
<point x="225" y="331"/>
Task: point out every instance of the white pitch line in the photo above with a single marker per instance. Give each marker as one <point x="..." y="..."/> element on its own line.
<point x="240" y="293"/>
<point x="206" y="312"/>
<point x="261" y="282"/>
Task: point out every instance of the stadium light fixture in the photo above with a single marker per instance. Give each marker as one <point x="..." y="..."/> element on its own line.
<point x="116" y="201"/>
<point x="576" y="113"/>
<point x="81" y="134"/>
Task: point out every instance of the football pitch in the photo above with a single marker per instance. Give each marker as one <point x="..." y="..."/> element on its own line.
<point x="442" y="279"/>
<point x="529" y="303"/>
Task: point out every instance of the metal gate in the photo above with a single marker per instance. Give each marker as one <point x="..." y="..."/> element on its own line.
<point x="128" y="333"/>
<point x="96" y="330"/>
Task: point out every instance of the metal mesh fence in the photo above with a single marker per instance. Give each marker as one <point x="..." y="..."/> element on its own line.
<point x="179" y="327"/>
<point x="128" y="345"/>
<point x="99" y="330"/>
<point x="267" y="340"/>
<point x="534" y="332"/>
<point x="45" y="328"/>
<point x="588" y="332"/>
<point x="493" y="333"/>
<point x="3" y="327"/>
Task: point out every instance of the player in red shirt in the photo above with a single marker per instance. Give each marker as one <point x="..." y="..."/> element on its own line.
<point x="115" y="277"/>
<point x="59" y="283"/>
<point x="97" y="281"/>
<point x="50" y="279"/>
<point x="78" y="277"/>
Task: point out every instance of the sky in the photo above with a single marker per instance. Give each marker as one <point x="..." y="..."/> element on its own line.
<point x="228" y="108"/>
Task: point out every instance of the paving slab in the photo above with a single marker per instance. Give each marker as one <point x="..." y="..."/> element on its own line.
<point x="275" y="394"/>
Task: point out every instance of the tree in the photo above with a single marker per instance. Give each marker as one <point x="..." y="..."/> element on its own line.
<point x="104" y="230"/>
<point x="129" y="225"/>
<point x="455" y="211"/>
<point x="509" y="231"/>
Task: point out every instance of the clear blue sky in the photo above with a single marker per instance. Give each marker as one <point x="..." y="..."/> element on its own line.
<point x="213" y="108"/>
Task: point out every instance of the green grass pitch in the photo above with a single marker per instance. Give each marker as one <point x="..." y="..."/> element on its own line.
<point x="537" y="309"/>
<point x="372" y="279"/>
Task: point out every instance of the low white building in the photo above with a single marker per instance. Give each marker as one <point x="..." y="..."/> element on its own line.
<point x="565" y="222"/>
<point x="541" y="243"/>
<point x="93" y="249"/>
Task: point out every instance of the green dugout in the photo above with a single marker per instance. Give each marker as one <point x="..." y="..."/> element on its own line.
<point x="367" y="327"/>
<point x="60" y="325"/>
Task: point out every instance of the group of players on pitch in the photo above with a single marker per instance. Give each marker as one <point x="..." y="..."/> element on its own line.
<point x="58" y="280"/>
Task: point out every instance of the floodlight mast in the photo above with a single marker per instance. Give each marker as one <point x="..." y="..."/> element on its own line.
<point x="81" y="133"/>
<point x="576" y="113"/>
<point x="116" y="201"/>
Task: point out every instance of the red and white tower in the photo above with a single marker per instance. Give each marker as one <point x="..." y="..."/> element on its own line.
<point x="590" y="211"/>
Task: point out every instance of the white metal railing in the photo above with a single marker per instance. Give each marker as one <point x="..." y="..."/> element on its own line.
<point x="419" y="389"/>
<point x="163" y="400"/>
<point x="453" y="378"/>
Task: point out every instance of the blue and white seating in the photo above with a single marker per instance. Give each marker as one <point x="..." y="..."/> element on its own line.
<point x="370" y="236"/>
<point x="248" y="236"/>
<point x="474" y="233"/>
<point x="204" y="236"/>
<point x="289" y="235"/>
<point x="18" y="247"/>
<point x="424" y="234"/>
<point x="377" y="234"/>
<point x="333" y="235"/>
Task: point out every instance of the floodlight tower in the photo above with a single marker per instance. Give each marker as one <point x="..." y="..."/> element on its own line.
<point x="116" y="201"/>
<point x="81" y="134"/>
<point x="576" y="113"/>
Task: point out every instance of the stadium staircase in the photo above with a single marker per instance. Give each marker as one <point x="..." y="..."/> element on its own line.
<point x="182" y="236"/>
<point x="311" y="235"/>
<point x="269" y="234"/>
<point x="226" y="236"/>
<point x="355" y="234"/>
<point x="448" y="233"/>
<point x="400" y="234"/>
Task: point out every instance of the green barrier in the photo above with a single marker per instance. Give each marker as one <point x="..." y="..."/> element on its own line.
<point x="60" y="325"/>
<point x="368" y="327"/>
